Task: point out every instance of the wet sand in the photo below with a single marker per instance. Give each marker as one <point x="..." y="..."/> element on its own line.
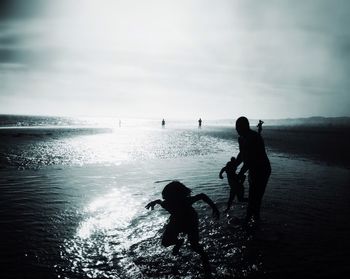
<point x="325" y="144"/>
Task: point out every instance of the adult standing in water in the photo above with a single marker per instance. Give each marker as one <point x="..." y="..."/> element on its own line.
<point x="200" y="122"/>
<point x="163" y="123"/>
<point x="260" y="126"/>
<point x="253" y="155"/>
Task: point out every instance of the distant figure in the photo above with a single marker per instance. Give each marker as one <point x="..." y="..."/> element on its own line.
<point x="183" y="219"/>
<point x="260" y="126"/>
<point x="120" y="123"/>
<point x="200" y="123"/>
<point x="253" y="155"/>
<point x="236" y="185"/>
<point x="163" y="123"/>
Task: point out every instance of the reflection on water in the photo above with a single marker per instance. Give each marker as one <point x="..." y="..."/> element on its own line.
<point x="34" y="148"/>
<point x="90" y="221"/>
<point x="111" y="225"/>
<point x="114" y="210"/>
<point x="118" y="238"/>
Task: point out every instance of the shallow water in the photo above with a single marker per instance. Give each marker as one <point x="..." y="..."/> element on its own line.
<point x="72" y="206"/>
<point x="40" y="147"/>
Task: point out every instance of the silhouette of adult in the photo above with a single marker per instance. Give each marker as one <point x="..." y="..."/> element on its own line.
<point x="163" y="122"/>
<point x="253" y="155"/>
<point x="200" y="122"/>
<point x="260" y="126"/>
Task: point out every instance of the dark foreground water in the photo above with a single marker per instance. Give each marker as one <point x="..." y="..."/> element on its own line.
<point x="72" y="206"/>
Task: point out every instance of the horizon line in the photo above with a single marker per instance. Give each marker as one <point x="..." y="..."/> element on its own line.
<point x="171" y="118"/>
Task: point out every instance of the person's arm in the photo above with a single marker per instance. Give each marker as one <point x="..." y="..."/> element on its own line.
<point x="242" y="171"/>
<point x="152" y="204"/>
<point x="206" y="199"/>
<point x="221" y="172"/>
<point x="239" y="159"/>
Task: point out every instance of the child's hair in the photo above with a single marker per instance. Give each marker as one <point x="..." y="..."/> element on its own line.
<point x="233" y="159"/>
<point x="175" y="190"/>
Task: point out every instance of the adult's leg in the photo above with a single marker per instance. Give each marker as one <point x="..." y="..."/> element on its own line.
<point x="262" y="187"/>
<point x="251" y="198"/>
<point x="240" y="193"/>
<point x="257" y="186"/>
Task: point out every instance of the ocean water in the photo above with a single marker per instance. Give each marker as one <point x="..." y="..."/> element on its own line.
<point x="73" y="191"/>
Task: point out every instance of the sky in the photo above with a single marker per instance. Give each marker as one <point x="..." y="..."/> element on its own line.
<point x="178" y="59"/>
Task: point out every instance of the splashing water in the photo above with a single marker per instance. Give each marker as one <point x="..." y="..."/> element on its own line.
<point x="111" y="225"/>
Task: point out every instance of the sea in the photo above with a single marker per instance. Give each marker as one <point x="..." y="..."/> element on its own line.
<point x="73" y="193"/>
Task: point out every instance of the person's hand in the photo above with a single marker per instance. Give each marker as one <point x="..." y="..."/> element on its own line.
<point x="220" y="176"/>
<point x="241" y="177"/>
<point x="151" y="205"/>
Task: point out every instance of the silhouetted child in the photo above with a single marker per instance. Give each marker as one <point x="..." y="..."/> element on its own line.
<point x="183" y="218"/>
<point x="235" y="183"/>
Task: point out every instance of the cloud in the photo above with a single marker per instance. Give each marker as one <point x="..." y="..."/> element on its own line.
<point x="184" y="58"/>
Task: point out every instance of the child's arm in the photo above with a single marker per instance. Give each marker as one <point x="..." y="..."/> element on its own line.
<point x="206" y="199"/>
<point x="152" y="204"/>
<point x="221" y="172"/>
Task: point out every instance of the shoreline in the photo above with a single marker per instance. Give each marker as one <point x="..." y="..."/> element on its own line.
<point x="319" y="144"/>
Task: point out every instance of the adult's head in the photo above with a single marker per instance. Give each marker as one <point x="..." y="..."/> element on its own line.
<point x="242" y="125"/>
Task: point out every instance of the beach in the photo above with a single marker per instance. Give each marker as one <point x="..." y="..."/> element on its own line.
<point x="72" y="203"/>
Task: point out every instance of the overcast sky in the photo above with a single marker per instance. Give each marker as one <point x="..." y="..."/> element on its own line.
<point x="175" y="59"/>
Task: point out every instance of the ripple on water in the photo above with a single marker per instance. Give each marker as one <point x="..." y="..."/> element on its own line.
<point x="119" y="239"/>
<point x="102" y="241"/>
<point x="62" y="147"/>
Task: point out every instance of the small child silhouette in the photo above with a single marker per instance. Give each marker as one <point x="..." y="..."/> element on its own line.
<point x="235" y="183"/>
<point x="183" y="218"/>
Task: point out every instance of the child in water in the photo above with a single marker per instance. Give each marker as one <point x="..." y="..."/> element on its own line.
<point x="183" y="218"/>
<point x="236" y="185"/>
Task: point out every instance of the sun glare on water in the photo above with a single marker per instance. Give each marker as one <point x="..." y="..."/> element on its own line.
<point x="111" y="224"/>
<point x="112" y="211"/>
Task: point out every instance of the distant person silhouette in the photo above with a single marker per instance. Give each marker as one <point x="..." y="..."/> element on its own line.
<point x="200" y="123"/>
<point x="163" y="122"/>
<point x="236" y="184"/>
<point x="253" y="155"/>
<point x="183" y="219"/>
<point x="260" y="126"/>
<point x="120" y="123"/>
